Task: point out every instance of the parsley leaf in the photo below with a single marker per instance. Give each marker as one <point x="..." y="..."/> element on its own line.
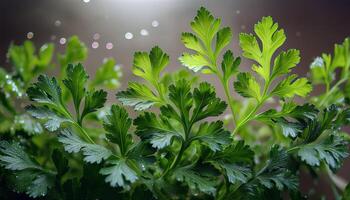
<point x="119" y="173"/>
<point x="138" y="96"/>
<point x="30" y="176"/>
<point x="117" y="124"/>
<point x="92" y="153"/>
<point x="75" y="83"/>
<point x="195" y="180"/>
<point x="234" y="161"/>
<point x="107" y="75"/>
<point x="247" y="86"/>
<point x="147" y="66"/>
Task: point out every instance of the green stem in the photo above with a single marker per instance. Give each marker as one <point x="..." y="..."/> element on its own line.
<point x="251" y="115"/>
<point x="330" y="91"/>
<point x="229" y="99"/>
<point x="84" y="132"/>
<point x="175" y="161"/>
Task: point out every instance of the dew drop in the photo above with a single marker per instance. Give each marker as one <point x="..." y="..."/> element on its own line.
<point x="96" y="36"/>
<point x="63" y="41"/>
<point x="143" y="167"/>
<point x="94" y="45"/>
<point x="109" y="46"/>
<point x="58" y="23"/>
<point x="129" y="36"/>
<point x="155" y="23"/>
<point x="30" y="35"/>
<point x="144" y="32"/>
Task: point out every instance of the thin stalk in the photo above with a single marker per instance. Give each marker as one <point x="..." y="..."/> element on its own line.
<point x="213" y="60"/>
<point x="175" y="161"/>
<point x="229" y="99"/>
<point x="84" y="132"/>
<point x="330" y="91"/>
<point x="249" y="117"/>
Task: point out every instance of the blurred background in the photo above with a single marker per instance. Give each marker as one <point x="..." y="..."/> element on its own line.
<point x="118" y="28"/>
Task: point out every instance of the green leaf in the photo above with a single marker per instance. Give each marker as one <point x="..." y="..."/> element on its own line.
<point x="28" y="124"/>
<point x="158" y="130"/>
<point x="25" y="61"/>
<point x="13" y="157"/>
<point x="205" y="25"/>
<point x="223" y="38"/>
<point x="275" y="173"/>
<point x="191" y="42"/>
<point x="235" y="153"/>
<point x="180" y="95"/>
<point x="292" y="86"/>
<point x="76" y="51"/>
<point x="195" y="62"/>
<point x="75" y="82"/>
<point x="195" y="181"/>
<point x="318" y="71"/>
<point x="341" y="55"/>
<point x="30" y="177"/>
<point x="138" y="96"/>
<point x="51" y="119"/>
<point x="213" y="135"/>
<point x="93" y="153"/>
<point x="229" y="65"/>
<point x="285" y="61"/>
<point x="149" y="66"/>
<point x="247" y="86"/>
<point x="206" y="104"/>
<point x="331" y="149"/>
<point x="34" y="183"/>
<point x="250" y="47"/>
<point x="45" y="56"/>
<point x="117" y="124"/>
<point x="46" y="91"/>
<point x="93" y="101"/>
<point x="268" y="33"/>
<point x="271" y="39"/>
<point x="236" y="173"/>
<point x="289" y="129"/>
<point x="234" y="161"/>
<point x="119" y="173"/>
<point x="107" y="76"/>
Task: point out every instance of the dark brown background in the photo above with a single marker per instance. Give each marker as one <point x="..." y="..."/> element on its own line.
<point x="311" y="26"/>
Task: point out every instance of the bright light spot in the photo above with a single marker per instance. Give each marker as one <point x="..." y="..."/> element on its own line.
<point x="63" y="41"/>
<point x="144" y="32"/>
<point x="109" y="46"/>
<point x="30" y="35"/>
<point x="94" y="45"/>
<point x="96" y="36"/>
<point x="129" y="36"/>
<point x="58" y="23"/>
<point x="86" y="1"/>
<point x="155" y="23"/>
<point x="238" y="12"/>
